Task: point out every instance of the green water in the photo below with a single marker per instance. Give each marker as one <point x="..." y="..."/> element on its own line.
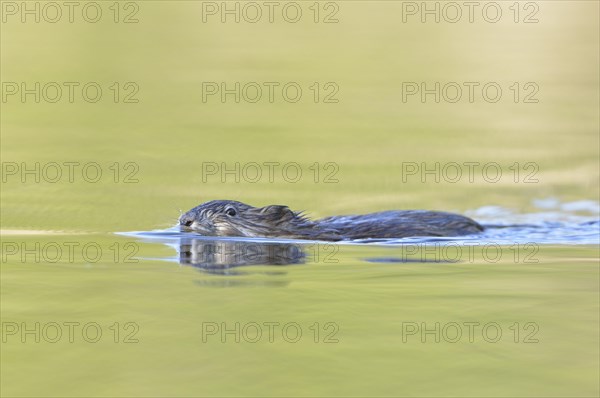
<point x="165" y="312"/>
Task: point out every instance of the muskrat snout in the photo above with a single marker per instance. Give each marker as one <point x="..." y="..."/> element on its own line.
<point x="195" y="221"/>
<point x="186" y="221"/>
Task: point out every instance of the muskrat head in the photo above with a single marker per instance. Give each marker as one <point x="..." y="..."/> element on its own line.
<point x="231" y="218"/>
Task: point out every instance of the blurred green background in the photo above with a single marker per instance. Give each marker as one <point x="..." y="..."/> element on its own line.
<point x="369" y="53"/>
<point x="368" y="134"/>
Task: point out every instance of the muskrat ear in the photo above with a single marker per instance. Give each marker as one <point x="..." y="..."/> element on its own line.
<point x="277" y="211"/>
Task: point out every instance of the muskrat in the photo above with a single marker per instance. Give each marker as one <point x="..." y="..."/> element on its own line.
<point x="232" y="218"/>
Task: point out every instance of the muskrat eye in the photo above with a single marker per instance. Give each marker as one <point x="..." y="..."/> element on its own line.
<point x="230" y="212"/>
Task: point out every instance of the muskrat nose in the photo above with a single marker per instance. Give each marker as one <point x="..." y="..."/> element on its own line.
<point x="185" y="221"/>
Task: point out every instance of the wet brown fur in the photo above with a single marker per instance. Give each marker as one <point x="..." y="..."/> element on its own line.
<point x="231" y="218"/>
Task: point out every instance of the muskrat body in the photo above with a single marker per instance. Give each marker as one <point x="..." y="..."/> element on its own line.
<point x="231" y="218"/>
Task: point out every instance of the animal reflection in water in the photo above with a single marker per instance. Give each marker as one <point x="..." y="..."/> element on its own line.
<point x="219" y="256"/>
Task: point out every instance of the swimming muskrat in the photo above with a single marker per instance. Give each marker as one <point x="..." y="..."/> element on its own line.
<point x="231" y="218"/>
